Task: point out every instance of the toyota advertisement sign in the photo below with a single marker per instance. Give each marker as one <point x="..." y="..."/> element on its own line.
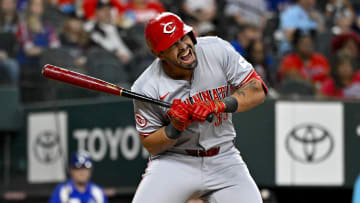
<point x="296" y="143"/>
<point x="309" y="144"/>
<point x="47" y="147"/>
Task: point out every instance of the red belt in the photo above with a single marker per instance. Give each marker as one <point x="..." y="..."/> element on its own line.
<point x="202" y="153"/>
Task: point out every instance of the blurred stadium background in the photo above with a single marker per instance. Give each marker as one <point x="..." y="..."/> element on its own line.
<point x="301" y="145"/>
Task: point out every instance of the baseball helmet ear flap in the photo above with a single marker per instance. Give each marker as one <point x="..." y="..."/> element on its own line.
<point x="164" y="30"/>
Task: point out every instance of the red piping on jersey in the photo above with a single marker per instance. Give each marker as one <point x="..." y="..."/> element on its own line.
<point x="252" y="75"/>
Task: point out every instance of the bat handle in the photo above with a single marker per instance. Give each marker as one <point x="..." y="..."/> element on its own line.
<point x="210" y="117"/>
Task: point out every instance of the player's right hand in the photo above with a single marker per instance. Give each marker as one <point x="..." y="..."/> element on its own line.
<point x="179" y="114"/>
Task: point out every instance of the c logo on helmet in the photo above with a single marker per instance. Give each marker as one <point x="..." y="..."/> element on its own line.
<point x="140" y="120"/>
<point x="168" y="28"/>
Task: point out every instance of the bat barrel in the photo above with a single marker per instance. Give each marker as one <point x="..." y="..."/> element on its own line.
<point x="78" y="79"/>
<point x="88" y="82"/>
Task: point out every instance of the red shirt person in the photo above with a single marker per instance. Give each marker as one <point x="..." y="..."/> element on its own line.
<point x="315" y="70"/>
<point x="345" y="80"/>
<point x="304" y="63"/>
<point x="141" y="11"/>
<point x="89" y="7"/>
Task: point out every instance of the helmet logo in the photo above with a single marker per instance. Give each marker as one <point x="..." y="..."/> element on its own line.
<point x="168" y="28"/>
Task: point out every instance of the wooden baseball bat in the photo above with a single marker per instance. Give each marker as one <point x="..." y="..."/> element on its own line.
<point x="88" y="82"/>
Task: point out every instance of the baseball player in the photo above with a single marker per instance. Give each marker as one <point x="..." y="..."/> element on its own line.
<point x="189" y="155"/>
<point x="78" y="189"/>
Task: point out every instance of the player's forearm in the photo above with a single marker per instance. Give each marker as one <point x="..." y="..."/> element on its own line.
<point x="249" y="95"/>
<point x="157" y="142"/>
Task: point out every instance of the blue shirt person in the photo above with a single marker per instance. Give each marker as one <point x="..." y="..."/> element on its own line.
<point x="298" y="16"/>
<point x="78" y="189"/>
<point x="356" y="192"/>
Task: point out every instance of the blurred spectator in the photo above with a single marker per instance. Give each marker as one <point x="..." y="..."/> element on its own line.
<point x="171" y="5"/>
<point x="21" y="5"/>
<point x="34" y="35"/>
<point x="9" y="68"/>
<point x="205" y="29"/>
<point x="35" y="38"/>
<point x="89" y="8"/>
<point x="356" y="191"/>
<point x="75" y="40"/>
<point x="108" y="57"/>
<point x="139" y="12"/>
<point x="247" y="12"/>
<point x="302" y="15"/>
<point x="339" y="15"/>
<point x="53" y="15"/>
<point x="66" y="6"/>
<point x="200" y="15"/>
<point x="79" y="188"/>
<point x="278" y="5"/>
<point x="344" y="82"/>
<point x="103" y="33"/>
<point x="346" y="42"/>
<point x="261" y="61"/>
<point x="304" y="64"/>
<point x="73" y="34"/>
<point x="8" y="17"/>
<point x="200" y="10"/>
<point x="244" y="36"/>
<point x="132" y="21"/>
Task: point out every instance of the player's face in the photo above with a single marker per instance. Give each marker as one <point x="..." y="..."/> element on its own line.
<point x="80" y="175"/>
<point x="181" y="54"/>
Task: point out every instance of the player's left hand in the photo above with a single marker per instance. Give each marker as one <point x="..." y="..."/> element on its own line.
<point x="201" y="109"/>
<point x="179" y="114"/>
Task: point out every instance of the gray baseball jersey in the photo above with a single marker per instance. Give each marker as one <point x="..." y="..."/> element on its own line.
<point x="219" y="69"/>
<point x="174" y="176"/>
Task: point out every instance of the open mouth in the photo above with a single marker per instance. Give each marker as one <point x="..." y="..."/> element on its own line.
<point x="187" y="56"/>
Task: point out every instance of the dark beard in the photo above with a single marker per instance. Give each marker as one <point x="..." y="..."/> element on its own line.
<point x="187" y="67"/>
<point x="190" y="66"/>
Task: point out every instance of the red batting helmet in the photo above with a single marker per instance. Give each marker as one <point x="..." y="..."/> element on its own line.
<point x="164" y="30"/>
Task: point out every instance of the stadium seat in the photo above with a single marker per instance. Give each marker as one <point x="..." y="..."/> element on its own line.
<point x="295" y="88"/>
<point x="106" y="66"/>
